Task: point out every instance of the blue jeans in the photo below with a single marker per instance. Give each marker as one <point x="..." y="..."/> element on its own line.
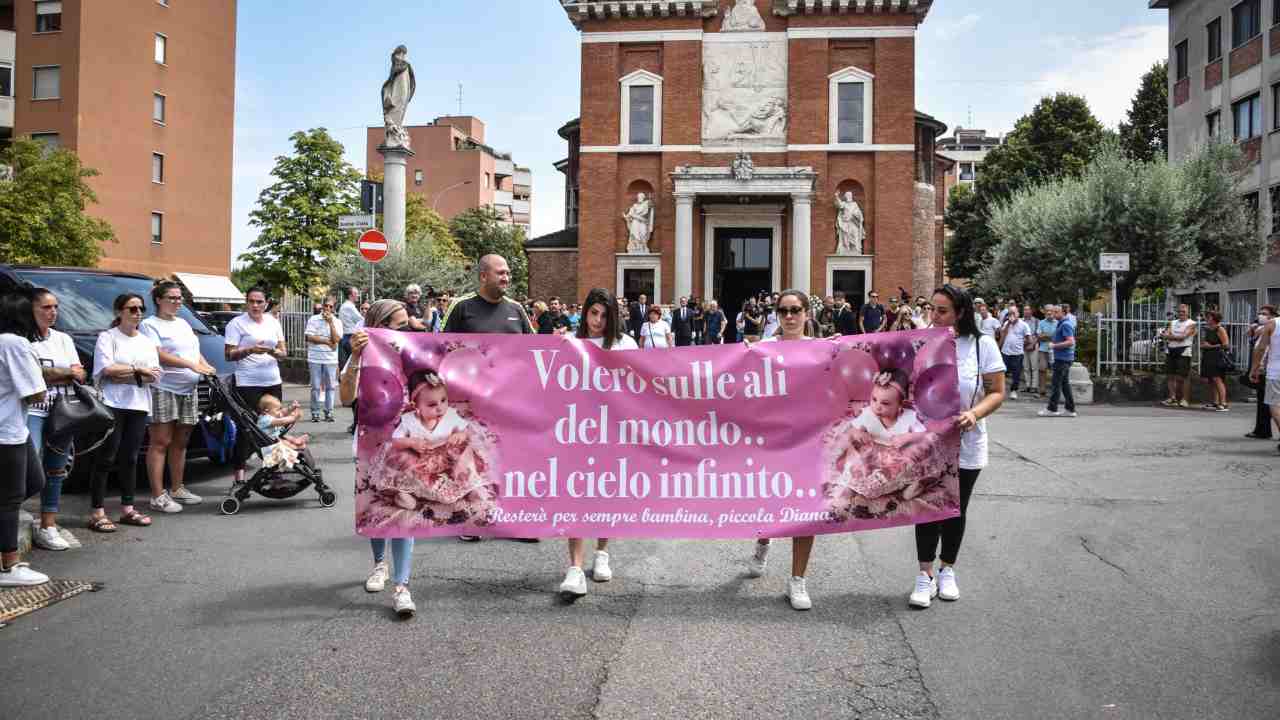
<point x="401" y="557"/>
<point x="1013" y="368"/>
<point x="324" y="381"/>
<point x="1061" y="371"/>
<point x="55" y="464"/>
<point x="344" y="351"/>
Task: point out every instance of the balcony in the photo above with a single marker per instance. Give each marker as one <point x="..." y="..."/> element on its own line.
<point x="502" y="198"/>
<point x="524" y="177"/>
<point x="503" y="168"/>
<point x="6" y="117"/>
<point x="520" y="207"/>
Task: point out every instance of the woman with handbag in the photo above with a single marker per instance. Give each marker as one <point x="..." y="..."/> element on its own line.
<point x="255" y="343"/>
<point x="656" y="333"/>
<point x="60" y="366"/>
<point x="125" y="366"/>
<point x="1214" y="345"/>
<point x="21" y="385"/>
<point x="1262" y="420"/>
<point x="174" y="404"/>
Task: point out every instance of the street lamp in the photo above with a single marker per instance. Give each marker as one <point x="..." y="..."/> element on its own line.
<point x="436" y="202"/>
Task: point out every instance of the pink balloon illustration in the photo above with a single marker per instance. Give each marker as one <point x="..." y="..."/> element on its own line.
<point x="895" y="353"/>
<point x="379" y="354"/>
<point x="421" y="356"/>
<point x="464" y="373"/>
<point x="939" y="351"/>
<point x="937" y="392"/>
<point x="856" y="370"/>
<point x="381" y="396"/>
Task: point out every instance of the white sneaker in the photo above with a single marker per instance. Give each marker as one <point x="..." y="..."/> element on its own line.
<point x="797" y="594"/>
<point x="71" y="540"/>
<point x="185" y="496"/>
<point x="947" y="589"/>
<point x="574" y="585"/>
<point x="165" y="504"/>
<point x="49" y="539"/>
<point x="1013" y="395"/>
<point x="1050" y="413"/>
<point x="403" y="602"/>
<point x="378" y="578"/>
<point x="759" y="560"/>
<point x="1069" y="413"/>
<point x="600" y="571"/>
<point x="21" y="575"/>
<point x="926" y="590"/>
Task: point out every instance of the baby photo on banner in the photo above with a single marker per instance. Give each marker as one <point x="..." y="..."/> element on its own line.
<point x="551" y="436"/>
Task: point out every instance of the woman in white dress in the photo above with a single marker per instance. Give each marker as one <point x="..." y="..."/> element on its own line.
<point x="602" y="326"/>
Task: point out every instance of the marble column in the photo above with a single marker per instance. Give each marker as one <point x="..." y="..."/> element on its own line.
<point x="684" y="246"/>
<point x="393" y="195"/>
<point x="801" y="271"/>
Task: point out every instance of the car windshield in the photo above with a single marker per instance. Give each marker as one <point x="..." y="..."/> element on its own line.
<point x="84" y="299"/>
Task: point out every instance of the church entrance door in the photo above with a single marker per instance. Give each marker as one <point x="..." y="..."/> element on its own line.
<point x="743" y="268"/>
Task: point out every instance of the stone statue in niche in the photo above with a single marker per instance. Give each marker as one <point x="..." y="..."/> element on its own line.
<point x="742" y="167"/>
<point x="397" y="91"/>
<point x="639" y="219"/>
<point x="742" y="17"/>
<point x="850" y="231"/>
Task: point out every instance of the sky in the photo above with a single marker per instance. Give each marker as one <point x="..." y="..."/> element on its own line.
<point x="303" y="64"/>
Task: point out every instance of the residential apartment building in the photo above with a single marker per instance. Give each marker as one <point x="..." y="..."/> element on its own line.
<point x="144" y="92"/>
<point x="968" y="148"/>
<point x="741" y="123"/>
<point x="454" y="170"/>
<point x="1224" y="78"/>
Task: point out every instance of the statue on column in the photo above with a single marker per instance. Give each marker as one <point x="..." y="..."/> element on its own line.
<point x="742" y="17"/>
<point x="639" y="219"/>
<point x="397" y="91"/>
<point x="850" y="232"/>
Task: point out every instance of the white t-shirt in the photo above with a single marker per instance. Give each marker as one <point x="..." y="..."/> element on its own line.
<point x="1181" y="327"/>
<point x="771" y="327"/>
<point x="1014" y="339"/>
<point x="176" y="338"/>
<point x="654" y="334"/>
<point x="411" y="427"/>
<point x="1273" y="354"/>
<point x="988" y="325"/>
<point x="623" y="342"/>
<point x="116" y="348"/>
<point x="973" y="444"/>
<point x="256" y="370"/>
<point x="907" y="422"/>
<point x="322" y="354"/>
<point x="351" y="317"/>
<point x="57" y="350"/>
<point x="20" y="377"/>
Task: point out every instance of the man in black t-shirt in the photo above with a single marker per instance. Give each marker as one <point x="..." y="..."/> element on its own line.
<point x="553" y="321"/>
<point x="413" y="306"/>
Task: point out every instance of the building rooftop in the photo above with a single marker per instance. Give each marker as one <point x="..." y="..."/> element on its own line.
<point x="580" y="11"/>
<point x="938" y="126"/>
<point x="1154" y="4"/>
<point x="558" y="240"/>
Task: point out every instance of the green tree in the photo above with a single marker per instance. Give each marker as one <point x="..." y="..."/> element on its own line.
<point x="421" y="222"/>
<point x="1145" y="136"/>
<point x="425" y="261"/>
<point x="480" y="231"/>
<point x="298" y="214"/>
<point x="1180" y="224"/>
<point x="966" y="217"/>
<point x="1058" y="138"/>
<point x="42" y="208"/>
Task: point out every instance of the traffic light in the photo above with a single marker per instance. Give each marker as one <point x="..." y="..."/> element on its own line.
<point x="370" y="196"/>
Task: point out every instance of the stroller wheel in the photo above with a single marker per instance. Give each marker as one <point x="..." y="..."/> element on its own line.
<point x="230" y="506"/>
<point x="328" y="499"/>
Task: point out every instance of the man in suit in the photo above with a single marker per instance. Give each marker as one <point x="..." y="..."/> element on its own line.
<point x="845" y="319"/>
<point x="639" y="310"/>
<point x="682" y="323"/>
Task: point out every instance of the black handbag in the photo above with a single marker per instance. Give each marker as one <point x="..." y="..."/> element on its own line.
<point x="68" y="419"/>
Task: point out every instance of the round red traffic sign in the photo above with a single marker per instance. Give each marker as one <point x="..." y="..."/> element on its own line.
<point x="373" y="245"/>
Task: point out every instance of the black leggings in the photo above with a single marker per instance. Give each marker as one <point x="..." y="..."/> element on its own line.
<point x="24" y="478"/>
<point x="120" y="451"/>
<point x="250" y="395"/>
<point x="950" y="530"/>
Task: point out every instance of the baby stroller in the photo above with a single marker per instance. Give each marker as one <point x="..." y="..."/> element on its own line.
<point x="275" y="482"/>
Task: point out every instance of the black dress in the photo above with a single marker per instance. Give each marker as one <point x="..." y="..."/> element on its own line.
<point x="1211" y="357"/>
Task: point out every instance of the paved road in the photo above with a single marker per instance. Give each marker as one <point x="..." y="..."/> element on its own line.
<point x="1122" y="565"/>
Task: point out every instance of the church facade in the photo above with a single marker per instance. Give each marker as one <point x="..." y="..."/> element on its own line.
<point x="735" y="146"/>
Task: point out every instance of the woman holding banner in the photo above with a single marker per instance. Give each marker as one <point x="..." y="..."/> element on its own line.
<point x="602" y="326"/>
<point x="389" y="315"/>
<point x="979" y="365"/>
<point x="793" y="316"/>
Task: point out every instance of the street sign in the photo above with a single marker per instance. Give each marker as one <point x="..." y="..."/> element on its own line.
<point x="355" y="222"/>
<point x="1113" y="262"/>
<point x="373" y="245"/>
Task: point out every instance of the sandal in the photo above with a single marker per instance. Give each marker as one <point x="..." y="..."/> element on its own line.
<point x="136" y="519"/>
<point x="101" y="524"/>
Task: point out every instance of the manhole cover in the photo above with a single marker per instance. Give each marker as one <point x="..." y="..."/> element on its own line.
<point x="16" y="602"/>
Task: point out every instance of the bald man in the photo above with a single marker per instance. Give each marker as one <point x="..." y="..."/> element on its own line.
<point x="489" y="310"/>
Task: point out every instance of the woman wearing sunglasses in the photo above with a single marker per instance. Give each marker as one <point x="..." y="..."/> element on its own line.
<point x="126" y="364"/>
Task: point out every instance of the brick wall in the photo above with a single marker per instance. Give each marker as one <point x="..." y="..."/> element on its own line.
<point x="1213" y="74"/>
<point x="555" y="272"/>
<point x="1246" y="56"/>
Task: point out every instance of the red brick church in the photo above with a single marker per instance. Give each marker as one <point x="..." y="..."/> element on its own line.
<point x="731" y="146"/>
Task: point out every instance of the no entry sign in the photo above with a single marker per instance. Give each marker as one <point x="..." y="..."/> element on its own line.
<point x="373" y="245"/>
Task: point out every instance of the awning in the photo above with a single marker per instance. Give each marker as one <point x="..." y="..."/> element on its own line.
<point x="210" y="288"/>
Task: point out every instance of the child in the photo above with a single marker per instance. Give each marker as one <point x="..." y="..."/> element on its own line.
<point x="430" y="421"/>
<point x="886" y="418"/>
<point x="274" y="417"/>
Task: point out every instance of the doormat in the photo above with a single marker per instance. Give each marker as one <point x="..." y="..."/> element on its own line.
<point x="16" y="602"/>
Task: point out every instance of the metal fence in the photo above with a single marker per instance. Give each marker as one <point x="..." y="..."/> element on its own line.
<point x="293" y="313"/>
<point x="1128" y="344"/>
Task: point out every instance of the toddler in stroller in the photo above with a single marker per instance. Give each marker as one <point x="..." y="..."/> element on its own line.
<point x="287" y="466"/>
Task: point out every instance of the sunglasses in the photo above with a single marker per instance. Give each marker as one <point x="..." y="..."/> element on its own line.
<point x="791" y="310"/>
<point x="133" y="309"/>
<point x="328" y="307"/>
<point x="173" y="299"/>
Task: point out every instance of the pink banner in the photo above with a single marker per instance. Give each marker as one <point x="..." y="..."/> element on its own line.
<point x="550" y="436"/>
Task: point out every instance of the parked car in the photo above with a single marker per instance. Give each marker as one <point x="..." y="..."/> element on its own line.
<point x="85" y="297"/>
<point x="217" y="320"/>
